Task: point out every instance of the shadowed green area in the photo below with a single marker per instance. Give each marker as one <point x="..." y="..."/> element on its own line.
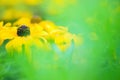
<point x="98" y="58"/>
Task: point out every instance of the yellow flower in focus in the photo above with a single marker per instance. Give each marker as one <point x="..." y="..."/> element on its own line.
<point x="22" y="38"/>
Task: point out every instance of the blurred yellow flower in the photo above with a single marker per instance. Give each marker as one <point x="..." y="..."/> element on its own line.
<point x="60" y="35"/>
<point x="9" y="2"/>
<point x="12" y="14"/>
<point x="16" y="2"/>
<point x="52" y="29"/>
<point x="32" y="2"/>
<point x="64" y="41"/>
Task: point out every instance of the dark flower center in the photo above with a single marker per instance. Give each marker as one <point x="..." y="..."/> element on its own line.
<point x="23" y="31"/>
<point x="36" y="19"/>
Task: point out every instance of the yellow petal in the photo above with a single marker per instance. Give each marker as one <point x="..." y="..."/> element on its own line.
<point x="56" y="32"/>
<point x="1" y="41"/>
<point x="8" y="33"/>
<point x="37" y="31"/>
<point x="7" y="25"/>
<point x="1" y="24"/>
<point x="48" y="26"/>
<point x="14" y="45"/>
<point x="23" y="21"/>
<point x="41" y="44"/>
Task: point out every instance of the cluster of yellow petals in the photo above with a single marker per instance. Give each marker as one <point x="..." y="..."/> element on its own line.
<point x="42" y="34"/>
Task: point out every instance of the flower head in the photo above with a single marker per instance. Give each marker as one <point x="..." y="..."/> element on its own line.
<point x="22" y="35"/>
<point x="23" y="31"/>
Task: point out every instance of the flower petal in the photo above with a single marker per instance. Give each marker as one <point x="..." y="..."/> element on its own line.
<point x="1" y="41"/>
<point x="15" y="45"/>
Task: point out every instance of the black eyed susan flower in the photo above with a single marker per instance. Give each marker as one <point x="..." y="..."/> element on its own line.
<point x="33" y="24"/>
<point x="20" y="36"/>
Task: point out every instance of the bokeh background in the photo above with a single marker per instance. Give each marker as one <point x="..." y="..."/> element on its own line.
<point x="97" y="58"/>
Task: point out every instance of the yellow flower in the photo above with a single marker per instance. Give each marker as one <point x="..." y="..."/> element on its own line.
<point x="33" y="24"/>
<point x="21" y="37"/>
<point x="60" y="35"/>
<point x="64" y="41"/>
